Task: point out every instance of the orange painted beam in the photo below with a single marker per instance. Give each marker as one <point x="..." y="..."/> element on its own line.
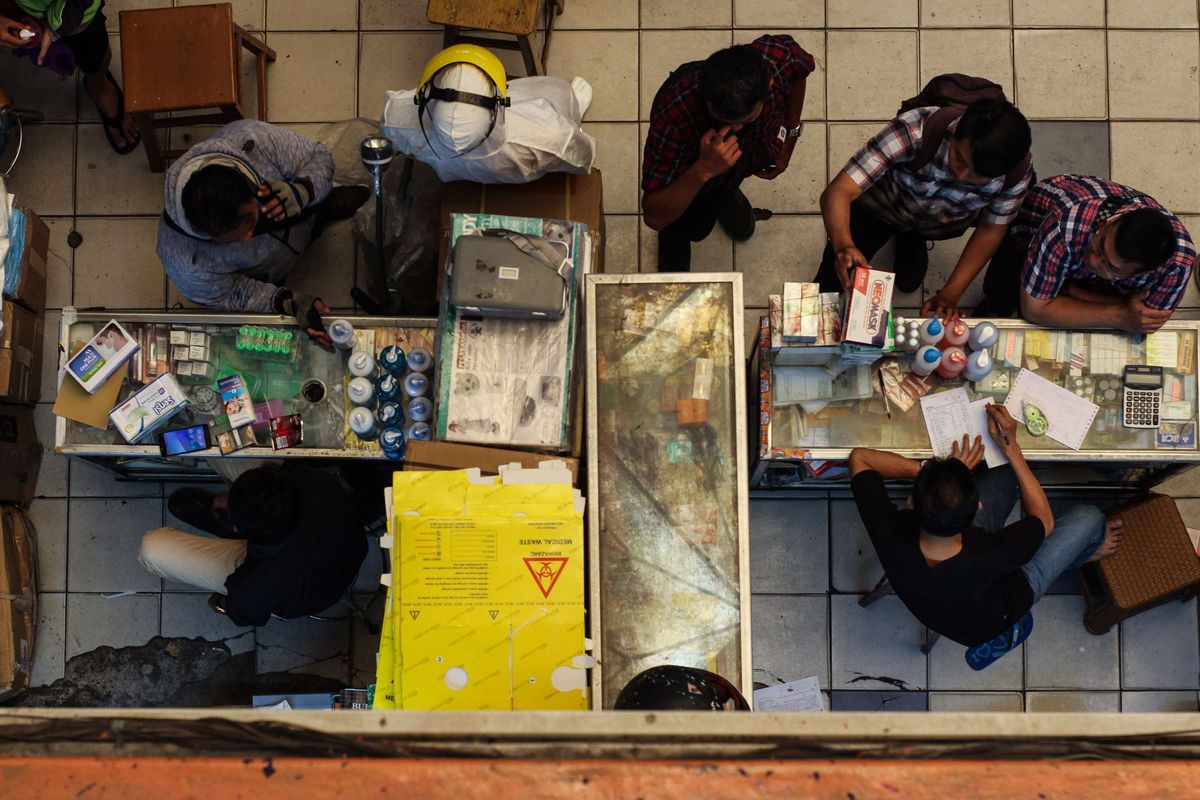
<point x="206" y="778"/>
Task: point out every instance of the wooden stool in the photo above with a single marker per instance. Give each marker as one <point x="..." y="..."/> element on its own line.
<point x="1155" y="563"/>
<point x="184" y="59"/>
<point x="518" y="18"/>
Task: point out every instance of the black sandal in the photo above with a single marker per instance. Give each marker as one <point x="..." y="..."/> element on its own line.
<point x="117" y="122"/>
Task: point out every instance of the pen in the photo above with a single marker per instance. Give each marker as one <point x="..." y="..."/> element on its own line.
<point x="887" y="407"/>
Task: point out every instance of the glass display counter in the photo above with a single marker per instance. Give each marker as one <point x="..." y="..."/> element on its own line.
<point x="800" y="441"/>
<point x="667" y="469"/>
<point x="304" y="379"/>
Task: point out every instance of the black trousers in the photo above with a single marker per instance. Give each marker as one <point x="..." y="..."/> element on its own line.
<point x="695" y="224"/>
<point x="90" y="45"/>
<point x="870" y="234"/>
<point x="1002" y="284"/>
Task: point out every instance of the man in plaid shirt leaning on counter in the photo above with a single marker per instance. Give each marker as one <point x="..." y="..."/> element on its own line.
<point x="1089" y="253"/>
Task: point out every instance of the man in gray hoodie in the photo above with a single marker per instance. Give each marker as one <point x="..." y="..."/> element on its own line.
<point x="240" y="209"/>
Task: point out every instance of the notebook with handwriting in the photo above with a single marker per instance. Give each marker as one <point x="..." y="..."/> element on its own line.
<point x="1069" y="416"/>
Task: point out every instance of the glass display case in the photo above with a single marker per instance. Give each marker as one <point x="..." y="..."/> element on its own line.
<point x="800" y="440"/>
<point x="289" y="375"/>
<point x="667" y="470"/>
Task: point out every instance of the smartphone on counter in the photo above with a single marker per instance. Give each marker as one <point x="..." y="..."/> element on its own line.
<point x="184" y="440"/>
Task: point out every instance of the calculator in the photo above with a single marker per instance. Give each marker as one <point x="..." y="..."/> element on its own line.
<point x="1142" y="396"/>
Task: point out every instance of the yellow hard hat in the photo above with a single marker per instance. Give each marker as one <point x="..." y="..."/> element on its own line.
<point x="467" y="54"/>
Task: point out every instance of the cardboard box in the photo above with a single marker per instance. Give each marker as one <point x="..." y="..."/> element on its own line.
<point x="868" y="307"/>
<point x="31" y="285"/>
<point x="20" y="453"/>
<point x="448" y="455"/>
<point x="18" y="600"/>
<point x="149" y="409"/>
<point x="20" y="354"/>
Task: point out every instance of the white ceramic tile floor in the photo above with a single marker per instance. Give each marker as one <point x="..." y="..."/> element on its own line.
<point x="336" y="59"/>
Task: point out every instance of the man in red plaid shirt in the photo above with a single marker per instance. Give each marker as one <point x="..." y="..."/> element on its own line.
<point x="1089" y="253"/>
<point x="713" y="124"/>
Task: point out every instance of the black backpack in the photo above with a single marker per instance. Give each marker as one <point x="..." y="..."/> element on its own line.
<point x="952" y="93"/>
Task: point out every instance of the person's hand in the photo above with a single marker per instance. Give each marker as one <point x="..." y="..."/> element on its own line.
<point x="719" y="151"/>
<point x="216" y="601"/>
<point x="282" y="200"/>
<point x="1140" y="318"/>
<point x="944" y="305"/>
<point x="10" y="33"/>
<point x="968" y="452"/>
<point x="781" y="162"/>
<point x="846" y="259"/>
<point x="1002" y="427"/>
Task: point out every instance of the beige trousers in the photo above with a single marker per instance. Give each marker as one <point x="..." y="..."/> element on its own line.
<point x="202" y="561"/>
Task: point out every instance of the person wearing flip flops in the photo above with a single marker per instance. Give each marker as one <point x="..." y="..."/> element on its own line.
<point x="949" y="555"/>
<point x="240" y="209"/>
<point x="80" y="26"/>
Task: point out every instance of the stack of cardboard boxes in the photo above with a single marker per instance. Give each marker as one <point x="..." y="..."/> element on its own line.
<point x="23" y="312"/>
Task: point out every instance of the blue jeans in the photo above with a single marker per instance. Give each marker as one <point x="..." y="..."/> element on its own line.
<point x="1076" y="535"/>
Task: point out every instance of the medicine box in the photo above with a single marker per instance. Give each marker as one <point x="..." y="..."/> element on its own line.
<point x="236" y="401"/>
<point x="149" y="408"/>
<point x="102" y="356"/>
<point x="868" y="307"/>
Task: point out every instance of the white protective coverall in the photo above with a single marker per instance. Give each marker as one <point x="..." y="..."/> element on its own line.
<point x="538" y="133"/>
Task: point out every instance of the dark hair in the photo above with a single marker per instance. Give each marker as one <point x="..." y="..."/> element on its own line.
<point x="999" y="136"/>
<point x="1145" y="237"/>
<point x="213" y="199"/>
<point x="732" y="81"/>
<point x="262" y="504"/>
<point x="945" y="497"/>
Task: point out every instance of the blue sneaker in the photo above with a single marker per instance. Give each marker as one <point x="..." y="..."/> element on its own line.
<point x="984" y="655"/>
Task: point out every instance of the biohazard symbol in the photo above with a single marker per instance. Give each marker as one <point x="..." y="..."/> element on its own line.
<point x="414" y="614"/>
<point x="493" y="612"/>
<point x="546" y="572"/>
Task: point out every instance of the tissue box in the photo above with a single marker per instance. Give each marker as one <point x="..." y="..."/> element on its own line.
<point x="102" y="356"/>
<point x="868" y="307"/>
<point x="148" y="409"/>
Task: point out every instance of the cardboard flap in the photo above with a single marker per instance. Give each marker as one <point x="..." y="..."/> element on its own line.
<point x="73" y="401"/>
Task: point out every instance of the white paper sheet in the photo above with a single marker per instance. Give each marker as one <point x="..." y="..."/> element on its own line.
<point x="993" y="456"/>
<point x="1069" y="416"/>
<point x="947" y="418"/>
<point x="801" y="695"/>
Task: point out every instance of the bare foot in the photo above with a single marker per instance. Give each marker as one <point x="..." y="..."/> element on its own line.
<point x="1111" y="539"/>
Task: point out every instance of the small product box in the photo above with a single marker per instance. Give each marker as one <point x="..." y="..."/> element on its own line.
<point x="792" y="311"/>
<point x="810" y="307"/>
<point x="102" y="356"/>
<point x="236" y="401"/>
<point x="235" y="439"/>
<point x="178" y="336"/>
<point x="286" y="431"/>
<point x="197" y="352"/>
<point x="868" y="307"/>
<point x="181" y="352"/>
<point x="198" y="339"/>
<point x="148" y="409"/>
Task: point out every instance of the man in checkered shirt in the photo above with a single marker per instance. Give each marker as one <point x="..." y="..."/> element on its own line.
<point x="713" y="124"/>
<point x="973" y="179"/>
<point x="1085" y="252"/>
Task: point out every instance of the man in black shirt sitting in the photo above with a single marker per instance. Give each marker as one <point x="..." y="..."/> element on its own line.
<point x="949" y="557"/>
<point x="291" y="540"/>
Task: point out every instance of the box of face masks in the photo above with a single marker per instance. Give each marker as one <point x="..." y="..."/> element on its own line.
<point x="148" y="409"/>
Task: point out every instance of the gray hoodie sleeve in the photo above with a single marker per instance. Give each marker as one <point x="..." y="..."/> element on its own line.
<point x="204" y="279"/>
<point x="293" y="155"/>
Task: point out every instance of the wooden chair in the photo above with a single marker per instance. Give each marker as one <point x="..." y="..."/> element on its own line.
<point x="186" y="59"/>
<point x="1154" y="564"/>
<point x="517" y="18"/>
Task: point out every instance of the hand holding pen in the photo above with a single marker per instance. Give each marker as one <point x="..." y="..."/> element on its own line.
<point x="1002" y="427"/>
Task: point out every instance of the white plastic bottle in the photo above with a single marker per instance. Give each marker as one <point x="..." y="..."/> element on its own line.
<point x="932" y="331"/>
<point x="341" y="333"/>
<point x="954" y="361"/>
<point x="362" y="365"/>
<point x="983" y="336"/>
<point x="361" y="392"/>
<point x="979" y="364"/>
<point x="363" y="423"/>
<point x="927" y="359"/>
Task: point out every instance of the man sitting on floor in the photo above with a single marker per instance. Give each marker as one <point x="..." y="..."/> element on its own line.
<point x="241" y="207"/>
<point x="291" y="543"/>
<point x="713" y="124"/>
<point x="950" y="558"/>
<point x="896" y="186"/>
<point x="1089" y="253"/>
